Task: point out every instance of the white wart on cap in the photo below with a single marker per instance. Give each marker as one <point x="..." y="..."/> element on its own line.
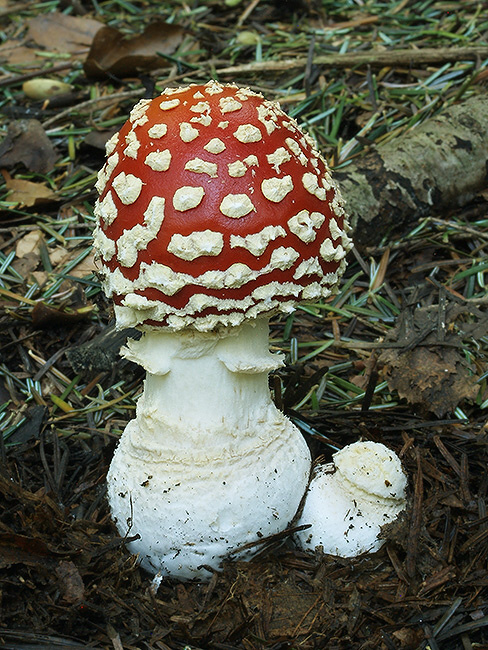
<point x="214" y="208"/>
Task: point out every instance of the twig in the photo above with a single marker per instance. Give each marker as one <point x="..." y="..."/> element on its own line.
<point x="92" y="103"/>
<point x="247" y="12"/>
<point x="12" y="80"/>
<point x="378" y="58"/>
<point x="99" y="101"/>
<point x="5" y="11"/>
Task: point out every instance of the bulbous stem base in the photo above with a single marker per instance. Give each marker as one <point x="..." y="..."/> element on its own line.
<point x="209" y="464"/>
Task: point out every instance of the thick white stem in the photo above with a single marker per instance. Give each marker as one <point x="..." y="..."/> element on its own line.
<point x="209" y="463"/>
<point x="203" y="388"/>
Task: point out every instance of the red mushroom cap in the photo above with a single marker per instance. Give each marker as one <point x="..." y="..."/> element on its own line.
<point x="214" y="208"/>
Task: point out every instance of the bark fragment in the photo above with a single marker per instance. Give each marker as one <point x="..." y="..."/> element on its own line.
<point x="435" y="166"/>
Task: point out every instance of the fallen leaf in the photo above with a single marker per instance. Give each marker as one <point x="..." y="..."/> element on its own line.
<point x="435" y="378"/>
<point x="16" y="53"/>
<point x="26" y="264"/>
<point x="58" y="255"/>
<point x="26" y="193"/>
<point x="20" y="549"/>
<point x="41" y="277"/>
<point x="409" y="639"/>
<point x="85" y="267"/>
<point x="26" y="142"/>
<point x="98" y="139"/>
<point x="27" y="255"/>
<point x="29" y="243"/>
<point x="112" y="53"/>
<point x="62" y="32"/>
<point x="71" y="587"/>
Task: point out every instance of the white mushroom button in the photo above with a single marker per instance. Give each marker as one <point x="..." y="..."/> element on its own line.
<point x="349" y="501"/>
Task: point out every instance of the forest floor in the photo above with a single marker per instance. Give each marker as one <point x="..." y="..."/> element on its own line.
<point x="66" y="579"/>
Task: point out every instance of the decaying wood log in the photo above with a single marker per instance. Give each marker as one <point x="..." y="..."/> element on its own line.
<point x="433" y="167"/>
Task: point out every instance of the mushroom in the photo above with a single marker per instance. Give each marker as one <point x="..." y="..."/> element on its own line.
<point x="350" y="500"/>
<point x="215" y="212"/>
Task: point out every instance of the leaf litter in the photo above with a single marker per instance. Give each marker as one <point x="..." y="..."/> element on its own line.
<point x="113" y="55"/>
<point x="67" y="580"/>
<point x="27" y="143"/>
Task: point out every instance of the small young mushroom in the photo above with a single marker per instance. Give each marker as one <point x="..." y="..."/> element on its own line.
<point x="349" y="500"/>
<point x="215" y="212"/>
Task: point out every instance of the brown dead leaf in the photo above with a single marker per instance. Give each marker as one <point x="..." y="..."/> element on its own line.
<point x="29" y="243"/>
<point x="85" y="267"/>
<point x="40" y="277"/>
<point x="26" y="193"/>
<point x="435" y="378"/>
<point x="112" y="53"/>
<point x="19" y="549"/>
<point x="70" y="583"/>
<point x="26" y="142"/>
<point x="98" y="139"/>
<point x="408" y="638"/>
<point x="26" y="264"/>
<point x="9" y="7"/>
<point x="27" y="253"/>
<point x="60" y="256"/>
<point x="62" y="32"/>
<point x="16" y="53"/>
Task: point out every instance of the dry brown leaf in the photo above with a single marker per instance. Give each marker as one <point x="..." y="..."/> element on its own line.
<point x="60" y="257"/>
<point x="98" y="139"/>
<point x="40" y="277"/>
<point x="434" y="378"/>
<point x="112" y="53"/>
<point x="70" y="582"/>
<point x="26" y="142"/>
<point x="26" y="193"/>
<point x="27" y="255"/>
<point x="20" y="549"/>
<point x="408" y="638"/>
<point x="63" y="33"/>
<point x="16" y="53"/>
<point x="26" y="264"/>
<point x="51" y="32"/>
<point x="85" y="267"/>
<point x="29" y="243"/>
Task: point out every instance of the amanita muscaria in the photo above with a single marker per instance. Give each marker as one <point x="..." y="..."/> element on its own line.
<point x="215" y="212"/>
<point x="350" y="500"/>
